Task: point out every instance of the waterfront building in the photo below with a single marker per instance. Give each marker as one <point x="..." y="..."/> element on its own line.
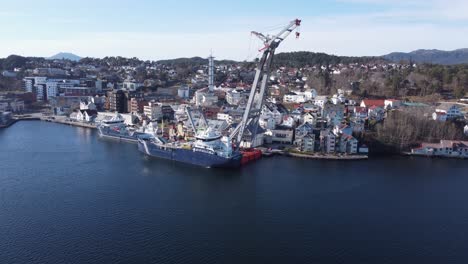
<point x="305" y="143"/>
<point x="253" y="137"/>
<point x="86" y="115"/>
<point x="303" y="130"/>
<point x="327" y="141"/>
<point x="445" y="148"/>
<point x="283" y="135"/>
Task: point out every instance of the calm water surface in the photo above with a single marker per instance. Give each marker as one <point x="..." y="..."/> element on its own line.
<point x="67" y="196"/>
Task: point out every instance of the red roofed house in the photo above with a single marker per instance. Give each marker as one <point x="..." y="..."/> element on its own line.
<point x="368" y="103"/>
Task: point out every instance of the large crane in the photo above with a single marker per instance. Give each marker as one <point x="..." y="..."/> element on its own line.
<point x="257" y="93"/>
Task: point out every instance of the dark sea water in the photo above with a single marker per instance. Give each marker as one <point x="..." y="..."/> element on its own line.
<point x="67" y="196"/>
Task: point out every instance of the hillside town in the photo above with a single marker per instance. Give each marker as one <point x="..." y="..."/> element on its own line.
<point x="296" y="115"/>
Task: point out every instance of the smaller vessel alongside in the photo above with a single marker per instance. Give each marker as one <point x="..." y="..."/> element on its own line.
<point x="115" y="128"/>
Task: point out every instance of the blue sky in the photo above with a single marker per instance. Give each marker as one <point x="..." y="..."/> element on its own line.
<point x="167" y="29"/>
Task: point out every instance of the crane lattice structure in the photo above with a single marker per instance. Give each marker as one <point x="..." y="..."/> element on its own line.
<point x="257" y="93"/>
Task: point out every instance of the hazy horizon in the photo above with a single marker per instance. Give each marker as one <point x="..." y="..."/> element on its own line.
<point x="156" y="31"/>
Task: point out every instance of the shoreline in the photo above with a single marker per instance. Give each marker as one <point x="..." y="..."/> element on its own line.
<point x="70" y="123"/>
<point x="327" y="156"/>
<point x="265" y="152"/>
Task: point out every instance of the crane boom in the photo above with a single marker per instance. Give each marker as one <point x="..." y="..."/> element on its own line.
<point x="256" y="98"/>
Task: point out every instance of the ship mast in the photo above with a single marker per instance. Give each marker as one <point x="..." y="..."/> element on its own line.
<point x="257" y="93"/>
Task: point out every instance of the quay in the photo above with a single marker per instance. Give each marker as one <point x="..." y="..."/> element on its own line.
<point x="327" y="156"/>
<point x="70" y="123"/>
<point x="39" y="117"/>
<point x="19" y="118"/>
<point x="317" y="156"/>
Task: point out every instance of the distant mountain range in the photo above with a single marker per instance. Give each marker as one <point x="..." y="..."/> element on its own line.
<point x="65" y="56"/>
<point x="458" y="56"/>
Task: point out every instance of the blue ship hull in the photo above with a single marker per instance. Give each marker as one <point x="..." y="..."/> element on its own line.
<point x="191" y="157"/>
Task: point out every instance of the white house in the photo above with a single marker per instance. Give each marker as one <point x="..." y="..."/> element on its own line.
<point x="282" y="135"/>
<point x="310" y="94"/>
<point x="293" y="97"/>
<point x="288" y="121"/>
<point x="131" y="85"/>
<point x="271" y="110"/>
<point x="86" y="115"/>
<point x="466" y="130"/>
<point x="224" y="116"/>
<point x="392" y="103"/>
<point x="439" y="116"/>
<point x="310" y="118"/>
<point x="235" y="96"/>
<point x="338" y="99"/>
<point x="268" y="123"/>
<point x="320" y="100"/>
<point x="87" y="104"/>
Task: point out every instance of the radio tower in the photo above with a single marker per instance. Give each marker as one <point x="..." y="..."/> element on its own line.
<point x="211" y="73"/>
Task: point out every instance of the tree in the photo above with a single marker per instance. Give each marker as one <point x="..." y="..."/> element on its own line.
<point x="14" y="61"/>
<point x="459" y="91"/>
